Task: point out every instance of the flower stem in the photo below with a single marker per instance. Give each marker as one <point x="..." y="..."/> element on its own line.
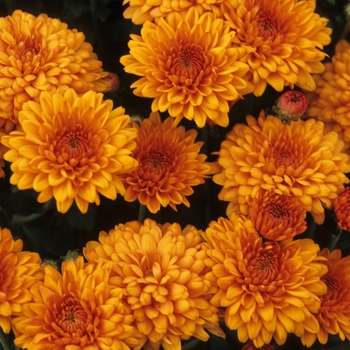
<point x="3" y="340"/>
<point x="142" y="213"/>
<point x="190" y="344"/>
<point x="334" y="240"/>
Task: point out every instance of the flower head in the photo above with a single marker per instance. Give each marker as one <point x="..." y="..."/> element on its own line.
<point x="160" y="269"/>
<point x="39" y="54"/>
<point x="331" y="100"/>
<point x="268" y="289"/>
<point x="277" y="216"/>
<point x="169" y="164"/>
<point x="334" y="313"/>
<point x="283" y="38"/>
<point x="296" y="159"/>
<point x="77" y="309"/>
<point x="187" y="65"/>
<point x="19" y="270"/>
<point x="291" y="105"/>
<point x="71" y="148"/>
<point x="141" y="11"/>
<point x="342" y="209"/>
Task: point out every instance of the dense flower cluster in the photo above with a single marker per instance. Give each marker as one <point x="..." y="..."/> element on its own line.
<point x="148" y="285"/>
<point x="40" y="54"/>
<point x="296" y="159"/>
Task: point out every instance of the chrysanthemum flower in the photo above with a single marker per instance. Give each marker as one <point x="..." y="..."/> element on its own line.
<point x="169" y="164"/>
<point x="296" y="159"/>
<point x="18" y="271"/>
<point x="331" y="100"/>
<point x="250" y="346"/>
<point x="39" y="54"/>
<point x="71" y="148"/>
<point x="139" y="11"/>
<point x="342" y="209"/>
<point x="3" y="149"/>
<point x="334" y="313"/>
<point x="160" y="270"/>
<point x="284" y="39"/>
<point x="77" y="309"/>
<point x="268" y="289"/>
<point x="188" y="66"/>
<point x="277" y="216"/>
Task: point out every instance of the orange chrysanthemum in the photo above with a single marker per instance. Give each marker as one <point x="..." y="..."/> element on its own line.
<point x="39" y="54"/>
<point x="268" y="289"/>
<point x="331" y="100"/>
<point x="169" y="164"/>
<point x="283" y="38"/>
<point x="250" y="346"/>
<point x="188" y="66"/>
<point x="71" y="148"/>
<point x="334" y="313"/>
<point x="160" y="270"/>
<point x="141" y="11"/>
<point x="19" y="270"/>
<point x="277" y="216"/>
<point x="77" y="309"/>
<point x="296" y="159"/>
<point x="342" y="209"/>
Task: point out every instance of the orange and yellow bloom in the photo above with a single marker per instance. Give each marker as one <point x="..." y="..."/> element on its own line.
<point x="169" y="165"/>
<point x="296" y="159"/>
<point x="284" y="41"/>
<point x="331" y="100"/>
<point x="342" y="209"/>
<point x="77" y="309"/>
<point x="188" y="66"/>
<point x="277" y="216"/>
<point x="19" y="270"/>
<point x="160" y="269"/>
<point x="334" y="313"/>
<point x="268" y="289"/>
<point x="40" y="54"/>
<point x="71" y="149"/>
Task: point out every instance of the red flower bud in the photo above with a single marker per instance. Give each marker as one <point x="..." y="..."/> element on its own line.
<point x="291" y="105"/>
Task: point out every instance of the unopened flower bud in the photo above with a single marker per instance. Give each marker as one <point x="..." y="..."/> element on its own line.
<point x="291" y="106"/>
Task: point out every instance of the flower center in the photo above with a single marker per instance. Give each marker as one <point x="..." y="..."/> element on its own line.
<point x="267" y="25"/>
<point x="157" y="163"/>
<point x="332" y="287"/>
<point x="187" y="64"/>
<point x="73" y="144"/>
<point x="69" y="316"/>
<point x="278" y="212"/>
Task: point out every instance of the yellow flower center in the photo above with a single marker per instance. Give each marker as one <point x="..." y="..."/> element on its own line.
<point x="267" y="25"/>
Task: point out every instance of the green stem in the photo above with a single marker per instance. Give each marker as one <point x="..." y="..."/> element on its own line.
<point x="142" y="213"/>
<point x="334" y="240"/>
<point x="190" y="344"/>
<point x="3" y="340"/>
